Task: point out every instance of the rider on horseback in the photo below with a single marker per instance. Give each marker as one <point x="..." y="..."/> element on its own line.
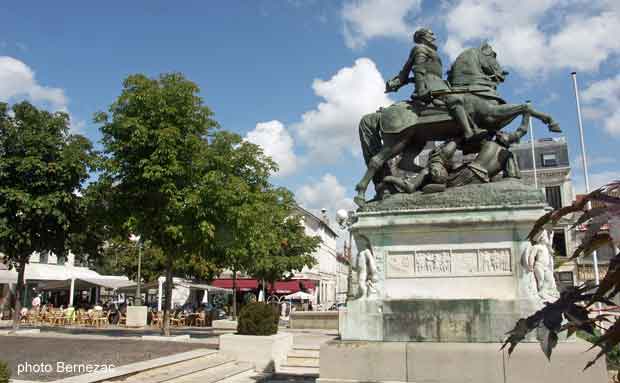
<point x="427" y="77"/>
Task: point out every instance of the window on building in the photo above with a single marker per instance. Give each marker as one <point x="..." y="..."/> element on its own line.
<point x="559" y="242"/>
<point x="549" y="159"/>
<point x="44" y="257"/>
<point x="554" y="196"/>
<point x="566" y="277"/>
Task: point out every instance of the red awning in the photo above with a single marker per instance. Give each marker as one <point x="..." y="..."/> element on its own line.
<point x="242" y="284"/>
<point x="292" y="286"/>
<point x="281" y="287"/>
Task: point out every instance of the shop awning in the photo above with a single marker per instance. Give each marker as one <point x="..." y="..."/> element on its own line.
<point x="213" y="289"/>
<point x="242" y="284"/>
<point x="87" y="283"/>
<point x="300" y="295"/>
<point x="280" y="287"/>
<point x="8" y="276"/>
<point x="292" y="286"/>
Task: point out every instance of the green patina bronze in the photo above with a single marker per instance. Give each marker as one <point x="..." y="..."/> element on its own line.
<point x="506" y="193"/>
<point x="464" y="109"/>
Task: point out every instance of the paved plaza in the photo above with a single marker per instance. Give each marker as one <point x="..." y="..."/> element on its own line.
<point x="119" y="347"/>
<point x="70" y="350"/>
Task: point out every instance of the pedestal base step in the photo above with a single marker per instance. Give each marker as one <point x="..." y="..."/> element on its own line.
<point x="360" y="361"/>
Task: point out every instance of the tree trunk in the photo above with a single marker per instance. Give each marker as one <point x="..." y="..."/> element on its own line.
<point x="234" y="288"/>
<point x="19" y="291"/>
<point x="165" y="328"/>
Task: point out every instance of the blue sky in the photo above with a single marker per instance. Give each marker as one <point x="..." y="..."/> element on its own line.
<point x="295" y="76"/>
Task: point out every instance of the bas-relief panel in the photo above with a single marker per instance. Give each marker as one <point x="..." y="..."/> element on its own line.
<point x="448" y="262"/>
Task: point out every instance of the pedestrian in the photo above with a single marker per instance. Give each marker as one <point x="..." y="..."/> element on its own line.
<point x="36" y="302"/>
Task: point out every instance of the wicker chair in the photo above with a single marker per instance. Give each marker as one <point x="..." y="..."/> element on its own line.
<point x="201" y="319"/>
<point x="177" y="319"/>
<point x="99" y="319"/>
<point x="156" y="320"/>
<point x="122" y="320"/>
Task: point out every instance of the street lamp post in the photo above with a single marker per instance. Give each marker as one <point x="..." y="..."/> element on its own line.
<point x="138" y="240"/>
<point x="532" y="147"/>
<point x="584" y="162"/>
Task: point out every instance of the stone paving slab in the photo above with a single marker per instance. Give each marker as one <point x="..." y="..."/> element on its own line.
<point x="49" y="351"/>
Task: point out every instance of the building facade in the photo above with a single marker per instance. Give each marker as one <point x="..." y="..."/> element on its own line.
<point x="325" y="281"/>
<point x="329" y="270"/>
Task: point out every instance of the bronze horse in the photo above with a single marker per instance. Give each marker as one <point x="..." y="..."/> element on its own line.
<point x="408" y="126"/>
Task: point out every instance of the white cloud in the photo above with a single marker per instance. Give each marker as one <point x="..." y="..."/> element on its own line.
<point x="327" y="193"/>
<point x="331" y="128"/>
<point x="602" y="99"/>
<point x="17" y="80"/>
<point x="368" y="19"/>
<point x="277" y="143"/>
<point x="597" y="179"/>
<point x="535" y="36"/>
<point x="595" y="160"/>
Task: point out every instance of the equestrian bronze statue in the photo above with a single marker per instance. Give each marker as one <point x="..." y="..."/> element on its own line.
<point x="465" y="108"/>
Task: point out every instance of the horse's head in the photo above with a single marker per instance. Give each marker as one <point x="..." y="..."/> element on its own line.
<point x="489" y="64"/>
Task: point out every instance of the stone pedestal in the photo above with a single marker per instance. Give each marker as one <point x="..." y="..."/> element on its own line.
<point x="448" y="270"/>
<point x="360" y="361"/>
<point x="445" y="282"/>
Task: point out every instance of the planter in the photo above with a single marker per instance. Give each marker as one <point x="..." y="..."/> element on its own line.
<point x="266" y="352"/>
<point x="224" y="324"/>
<point x="325" y="320"/>
<point x="136" y="316"/>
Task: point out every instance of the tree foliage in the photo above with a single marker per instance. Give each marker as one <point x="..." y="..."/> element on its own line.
<point x="120" y="256"/>
<point x="575" y="310"/>
<point x="257" y="231"/>
<point x="291" y="249"/>
<point x="155" y="137"/>
<point x="200" y="195"/>
<point x="42" y="172"/>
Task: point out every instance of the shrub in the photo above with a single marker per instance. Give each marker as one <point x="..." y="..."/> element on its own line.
<point x="257" y="319"/>
<point x="276" y="313"/>
<point x="5" y="372"/>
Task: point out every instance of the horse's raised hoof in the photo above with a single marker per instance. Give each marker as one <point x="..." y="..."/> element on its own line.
<point x="359" y="201"/>
<point x="554" y="127"/>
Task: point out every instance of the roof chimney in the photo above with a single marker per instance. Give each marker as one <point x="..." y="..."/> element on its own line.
<point x="324" y="216"/>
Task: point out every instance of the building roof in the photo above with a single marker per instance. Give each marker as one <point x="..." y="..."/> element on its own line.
<point x="319" y="220"/>
<point x="557" y="146"/>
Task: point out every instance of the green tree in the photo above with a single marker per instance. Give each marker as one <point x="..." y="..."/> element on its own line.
<point x="287" y="248"/>
<point x="239" y="179"/>
<point x="256" y="230"/>
<point x="120" y="256"/>
<point x="156" y="141"/>
<point x="42" y="171"/>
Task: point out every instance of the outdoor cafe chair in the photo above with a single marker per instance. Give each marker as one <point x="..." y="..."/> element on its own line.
<point x="177" y="320"/>
<point x="57" y="318"/>
<point x="99" y="319"/>
<point x="201" y="319"/>
<point x="156" y="319"/>
<point x="122" y="320"/>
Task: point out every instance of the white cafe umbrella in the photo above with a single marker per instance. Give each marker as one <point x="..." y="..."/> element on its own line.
<point x="300" y="295"/>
